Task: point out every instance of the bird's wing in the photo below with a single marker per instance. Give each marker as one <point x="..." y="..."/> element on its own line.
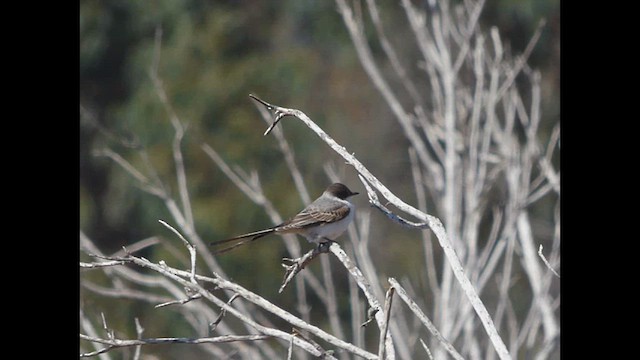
<point x="312" y="216"/>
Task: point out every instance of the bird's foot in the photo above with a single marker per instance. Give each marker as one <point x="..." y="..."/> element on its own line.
<point x="323" y="246"/>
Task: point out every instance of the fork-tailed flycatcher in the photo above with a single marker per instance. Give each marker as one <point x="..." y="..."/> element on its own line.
<point x="320" y="222"/>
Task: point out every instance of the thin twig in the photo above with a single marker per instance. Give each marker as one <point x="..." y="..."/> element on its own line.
<point x="424" y="346"/>
<point x="371" y="315"/>
<point x="178" y="127"/>
<point x="534" y="274"/>
<point x="544" y="259"/>
<point x="139" y="245"/>
<point x="289" y="158"/>
<point x="179" y="302"/>
<point x="295" y="266"/>
<point x="430" y="264"/>
<point x="87" y="327"/>
<point x="139" y="331"/>
<point x="373" y="200"/>
<point x="425" y="320"/>
<point x="117" y="343"/>
<point x="290" y="349"/>
<point x="364" y="284"/>
<point x="123" y="293"/>
<point x="332" y="302"/>
<point x="385" y="325"/>
<point x="255" y="193"/>
<point x="95" y="265"/>
<point x="356" y="32"/>
<point x="147" y="185"/>
<point x="297" y="333"/>
<point x="191" y="248"/>
<point x="392" y="55"/>
<point x="197" y="310"/>
<point x="214" y="324"/>
<point x="522" y="60"/>
<point x="179" y="276"/>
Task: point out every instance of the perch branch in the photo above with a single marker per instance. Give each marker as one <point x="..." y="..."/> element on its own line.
<point x="431" y="221"/>
<point x="296" y="266"/>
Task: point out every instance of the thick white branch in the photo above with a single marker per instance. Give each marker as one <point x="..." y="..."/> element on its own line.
<point x="181" y="277"/>
<point x="434" y="223"/>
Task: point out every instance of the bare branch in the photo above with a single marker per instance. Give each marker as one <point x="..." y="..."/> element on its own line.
<point x="392" y="55"/>
<point x="96" y="265"/>
<point x="214" y="324"/>
<point x="477" y="160"/>
<point x="434" y="224"/>
<point x="139" y="245"/>
<point x="177" y="126"/>
<point x="86" y="326"/>
<point x="117" y="343"/>
<point x="191" y="248"/>
<point x="371" y="315"/>
<point x="522" y="60"/>
<point x="179" y="302"/>
<point x="147" y="185"/>
<point x="385" y="324"/>
<point x="296" y="266"/>
<point x="332" y="302"/>
<point x="139" y="331"/>
<point x="179" y="275"/>
<point x="290" y="349"/>
<point x="426" y="349"/>
<point x="534" y="274"/>
<point x="544" y="259"/>
<point x="254" y="192"/>
<point x="373" y="200"/>
<point x="287" y="152"/>
<point x="425" y="320"/>
<point x="366" y="57"/>
<point x="196" y="313"/>
<point x="356" y="313"/>
<point x="363" y="283"/>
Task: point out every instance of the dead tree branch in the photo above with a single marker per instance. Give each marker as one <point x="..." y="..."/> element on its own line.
<point x="184" y="279"/>
<point x="434" y="223"/>
<point x="118" y="343"/>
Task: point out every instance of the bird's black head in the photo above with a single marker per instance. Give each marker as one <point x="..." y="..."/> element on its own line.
<point x="340" y="191"/>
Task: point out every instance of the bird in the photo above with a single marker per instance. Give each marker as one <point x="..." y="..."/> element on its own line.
<point x="321" y="222"/>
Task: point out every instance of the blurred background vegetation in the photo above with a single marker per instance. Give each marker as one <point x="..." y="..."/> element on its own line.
<point x="293" y="53"/>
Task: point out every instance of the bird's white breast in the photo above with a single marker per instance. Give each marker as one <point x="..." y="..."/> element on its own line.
<point x="332" y="230"/>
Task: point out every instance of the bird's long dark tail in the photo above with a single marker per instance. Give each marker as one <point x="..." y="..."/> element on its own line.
<point x="246" y="238"/>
